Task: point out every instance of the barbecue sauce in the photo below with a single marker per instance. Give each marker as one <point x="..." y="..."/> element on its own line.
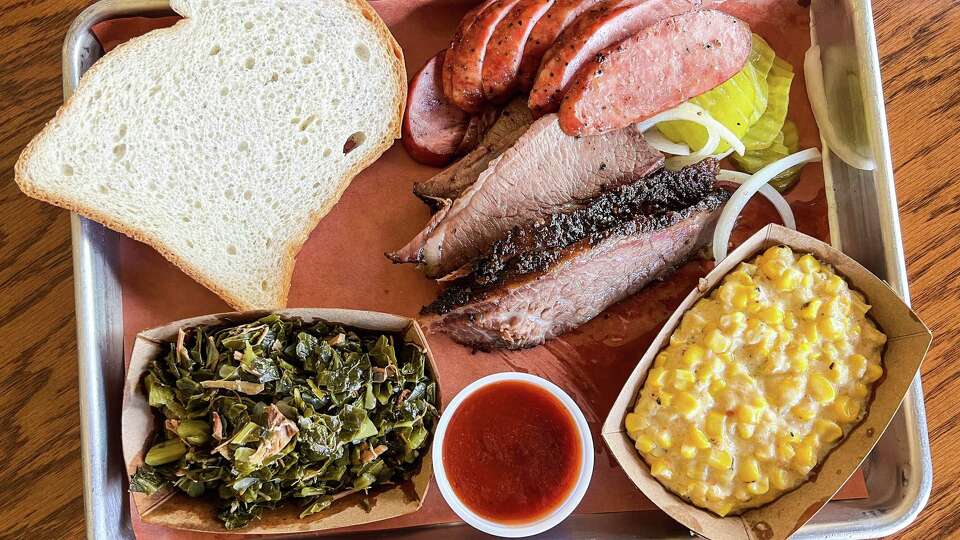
<point x="512" y="452"/>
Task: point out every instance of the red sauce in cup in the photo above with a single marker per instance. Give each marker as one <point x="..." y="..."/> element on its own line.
<point x="512" y="452"/>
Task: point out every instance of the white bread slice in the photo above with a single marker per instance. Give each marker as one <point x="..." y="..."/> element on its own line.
<point x="220" y="141"/>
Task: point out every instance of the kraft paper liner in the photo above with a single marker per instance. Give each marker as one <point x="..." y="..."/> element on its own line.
<point x="907" y="342"/>
<point x="172" y="508"/>
<point x="342" y="263"/>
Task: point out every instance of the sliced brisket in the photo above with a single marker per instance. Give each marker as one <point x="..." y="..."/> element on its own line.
<point x="661" y="191"/>
<point x="536" y="299"/>
<point x="545" y="172"/>
<point x="450" y="182"/>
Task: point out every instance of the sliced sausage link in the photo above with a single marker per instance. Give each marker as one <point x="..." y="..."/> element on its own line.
<point x="656" y="69"/>
<point x="467" y="82"/>
<point x="607" y="23"/>
<point x="505" y="50"/>
<point x="544" y="33"/>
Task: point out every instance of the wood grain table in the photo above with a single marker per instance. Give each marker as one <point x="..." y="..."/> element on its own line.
<point x="41" y="492"/>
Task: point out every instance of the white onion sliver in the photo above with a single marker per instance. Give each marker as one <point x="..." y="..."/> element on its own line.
<point x="665" y="145"/>
<point x="698" y="115"/>
<point x="728" y="216"/>
<point x="813" y="73"/>
<point x="768" y="191"/>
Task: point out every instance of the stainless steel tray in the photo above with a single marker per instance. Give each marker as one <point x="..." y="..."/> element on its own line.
<point x="863" y="220"/>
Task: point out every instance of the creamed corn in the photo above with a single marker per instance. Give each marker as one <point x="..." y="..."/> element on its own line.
<point x="760" y="380"/>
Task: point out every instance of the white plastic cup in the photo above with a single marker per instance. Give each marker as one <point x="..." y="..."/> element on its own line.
<point x="558" y="514"/>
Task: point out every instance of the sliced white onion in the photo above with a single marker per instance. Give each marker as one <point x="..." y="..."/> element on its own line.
<point x="768" y="191"/>
<point x="730" y="212"/>
<point x="813" y="74"/>
<point x="698" y="115"/>
<point x="660" y="142"/>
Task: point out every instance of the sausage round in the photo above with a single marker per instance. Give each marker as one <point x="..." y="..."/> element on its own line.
<point x="607" y="23"/>
<point x="658" y="68"/>
<point x="544" y="33"/>
<point x="466" y="83"/>
<point x="433" y="128"/>
<point x="502" y="59"/>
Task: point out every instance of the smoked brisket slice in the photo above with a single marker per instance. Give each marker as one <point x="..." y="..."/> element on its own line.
<point x="544" y="172"/>
<point x="532" y="303"/>
<point x="450" y="182"/>
<point x="661" y="191"/>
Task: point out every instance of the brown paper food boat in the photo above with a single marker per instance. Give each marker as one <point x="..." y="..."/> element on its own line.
<point x="171" y="508"/>
<point x="908" y="340"/>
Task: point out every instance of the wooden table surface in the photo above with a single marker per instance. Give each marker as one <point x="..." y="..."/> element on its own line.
<point x="41" y="492"/>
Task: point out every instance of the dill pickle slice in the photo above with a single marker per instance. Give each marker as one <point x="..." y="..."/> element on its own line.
<point x="779" y="79"/>
<point x="784" y="143"/>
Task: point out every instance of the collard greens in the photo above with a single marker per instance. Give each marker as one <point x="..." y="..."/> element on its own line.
<point x="279" y="410"/>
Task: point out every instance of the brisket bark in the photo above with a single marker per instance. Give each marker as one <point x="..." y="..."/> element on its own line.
<point x="661" y="191"/>
<point x="536" y="298"/>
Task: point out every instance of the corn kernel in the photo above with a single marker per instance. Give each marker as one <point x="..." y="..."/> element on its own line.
<point x="688" y="452"/>
<point x="660" y="469"/>
<point x="789" y="280"/>
<point x="741" y="277"/>
<point x="741" y="300"/>
<point x="699" y="491"/>
<point x="834" y="284"/>
<point x="785" y="451"/>
<point x="664" y="440"/>
<point x="873" y="372"/>
<point x="748" y="414"/>
<point x="720" y="459"/>
<point x="664" y="398"/>
<point x="858" y="365"/>
<point x="733" y="322"/>
<point x="810" y="332"/>
<point x="656" y="377"/>
<point x="859" y="390"/>
<point x="693" y="355"/>
<point x="765" y="452"/>
<point x="741" y="494"/>
<point x="789" y="390"/>
<point x="846" y="409"/>
<point x="790" y="321"/>
<point x="830" y="327"/>
<point x="635" y="422"/>
<point x="715" y="425"/>
<point x="724" y="508"/>
<point x="821" y="389"/>
<point x="717" y="342"/>
<point x="834" y="307"/>
<point x="749" y="470"/>
<point x="644" y="443"/>
<point x="686" y="404"/>
<point x="828" y="430"/>
<point x="837" y="372"/>
<point x="746" y="431"/>
<point x="811" y="309"/>
<point x="807" y="282"/>
<point x="682" y="379"/>
<point x="698" y="438"/>
<point x="759" y="487"/>
<point x="780" y="478"/>
<point x="772" y="315"/>
<point x="804" y="412"/>
<point x="772" y="269"/>
<point x="805" y="457"/>
<point x="808" y="263"/>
